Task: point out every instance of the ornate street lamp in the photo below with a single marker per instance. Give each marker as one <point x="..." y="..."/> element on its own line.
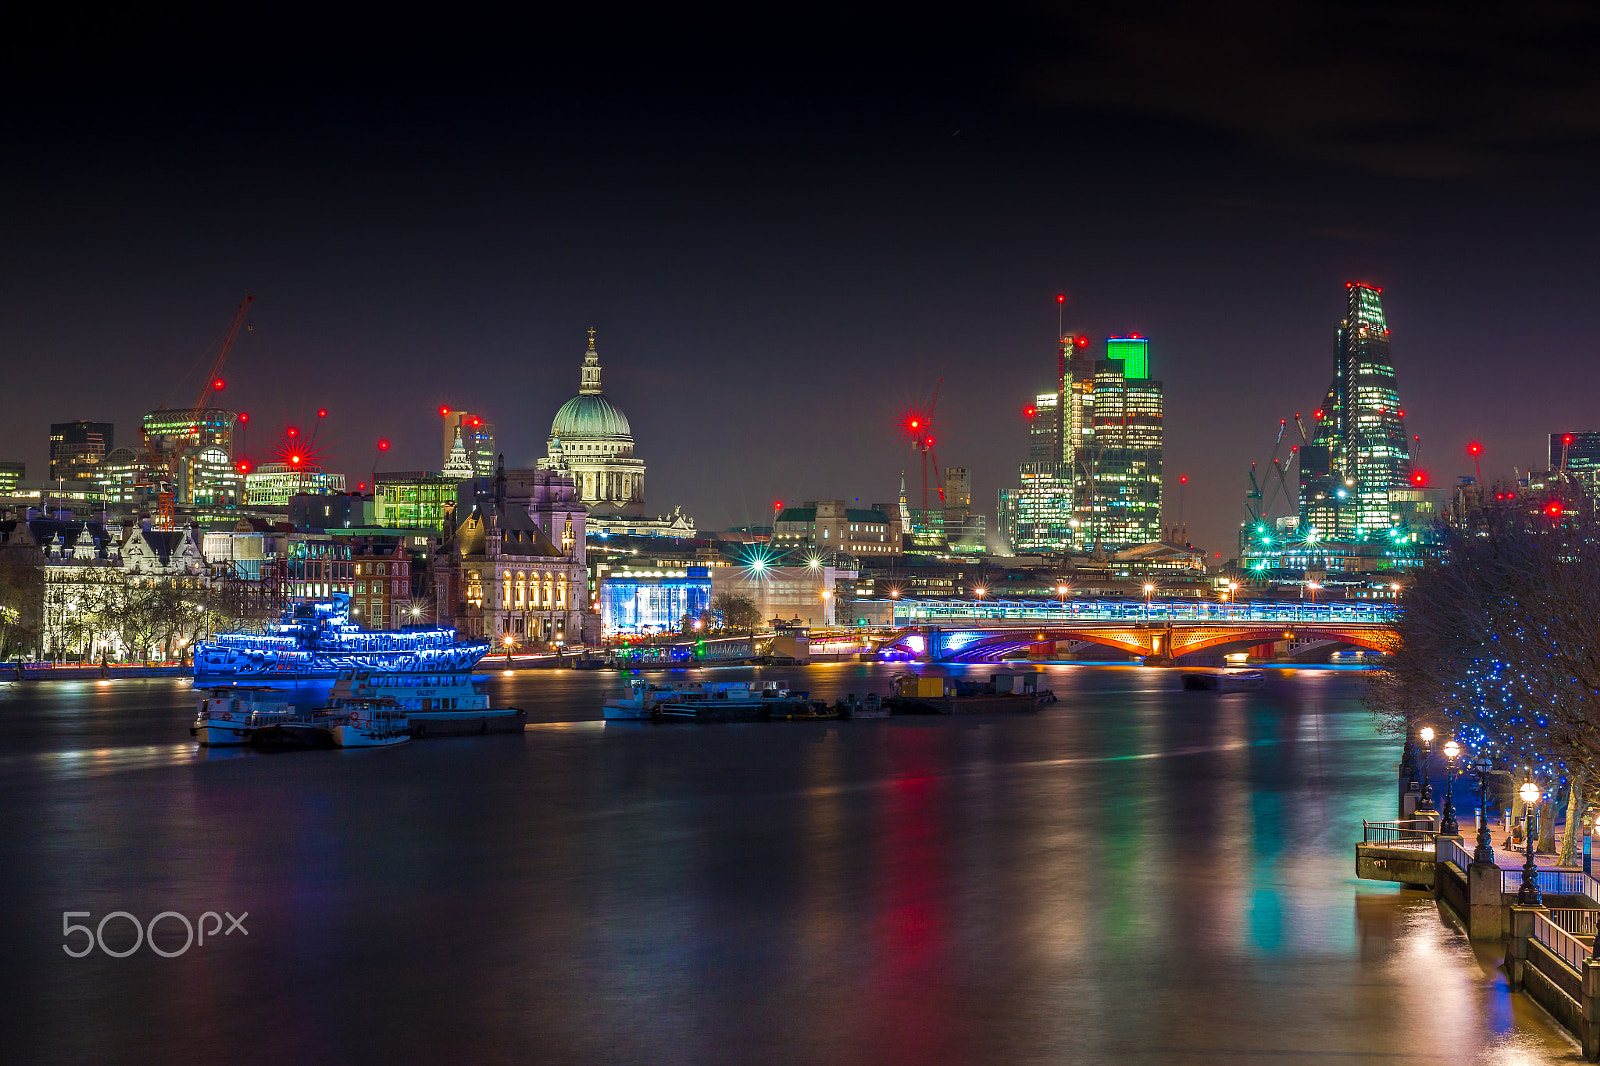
<point x="1448" y="826"/>
<point x="1426" y="799"/>
<point x="1528" y="895"/>
<point x="1483" y="852"/>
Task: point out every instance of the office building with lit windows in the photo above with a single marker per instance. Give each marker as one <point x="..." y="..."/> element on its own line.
<point x="270" y="485"/>
<point x="834" y="526"/>
<point x="1355" y="473"/>
<point x="1576" y="454"/>
<point x="1119" y="469"/>
<point x="76" y="449"/>
<point x="193" y="454"/>
<point x="413" y="499"/>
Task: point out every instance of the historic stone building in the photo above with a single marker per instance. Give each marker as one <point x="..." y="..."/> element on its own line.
<point x="95" y="585"/>
<point x="591" y="441"/>
<point x="513" y="568"/>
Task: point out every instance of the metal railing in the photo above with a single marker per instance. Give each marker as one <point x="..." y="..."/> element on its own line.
<point x="1561" y="882"/>
<point x="1563" y="944"/>
<point x="1409" y="833"/>
<point x="1579" y="921"/>
<point x="1459" y="855"/>
<point x="909" y="611"/>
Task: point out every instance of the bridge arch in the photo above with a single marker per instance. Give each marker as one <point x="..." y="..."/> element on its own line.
<point x="989" y="644"/>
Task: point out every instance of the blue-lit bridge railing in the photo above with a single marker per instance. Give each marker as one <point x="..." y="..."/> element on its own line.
<point x="915" y="612"/>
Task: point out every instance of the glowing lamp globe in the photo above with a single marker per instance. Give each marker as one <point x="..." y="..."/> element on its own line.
<point x="1529" y="792"/>
<point x="1451" y="749"/>
<point x="1426" y="733"/>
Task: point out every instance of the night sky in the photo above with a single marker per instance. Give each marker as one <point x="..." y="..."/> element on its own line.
<point x="786" y="231"/>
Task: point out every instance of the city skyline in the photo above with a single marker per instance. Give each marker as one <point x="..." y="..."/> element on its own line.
<point x="422" y="233"/>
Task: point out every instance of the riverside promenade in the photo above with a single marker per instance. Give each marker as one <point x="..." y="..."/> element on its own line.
<point x="1548" y="928"/>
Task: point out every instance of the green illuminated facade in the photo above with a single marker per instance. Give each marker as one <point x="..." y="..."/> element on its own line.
<point x="412" y="500"/>
<point x="1133" y="353"/>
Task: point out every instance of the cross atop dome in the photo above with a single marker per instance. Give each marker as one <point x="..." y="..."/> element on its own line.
<point x="590" y="384"/>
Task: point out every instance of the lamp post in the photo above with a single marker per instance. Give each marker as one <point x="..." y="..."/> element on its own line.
<point x="1448" y="826"/>
<point x="1528" y="895"/>
<point x="1426" y="799"/>
<point x="1149" y="590"/>
<point x="1483" y="852"/>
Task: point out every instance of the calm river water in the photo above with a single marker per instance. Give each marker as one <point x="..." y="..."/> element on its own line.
<point x="1134" y="875"/>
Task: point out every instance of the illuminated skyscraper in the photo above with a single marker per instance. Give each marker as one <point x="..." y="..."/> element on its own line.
<point x="1355" y="476"/>
<point x="1120" y="463"/>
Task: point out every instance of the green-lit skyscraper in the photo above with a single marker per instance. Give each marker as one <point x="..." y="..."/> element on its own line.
<point x="1120" y="459"/>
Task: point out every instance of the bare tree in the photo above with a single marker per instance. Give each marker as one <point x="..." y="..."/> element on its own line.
<point x="1500" y="646"/>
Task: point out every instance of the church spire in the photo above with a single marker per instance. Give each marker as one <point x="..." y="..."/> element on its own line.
<point x="459" y="466"/>
<point x="590" y="385"/>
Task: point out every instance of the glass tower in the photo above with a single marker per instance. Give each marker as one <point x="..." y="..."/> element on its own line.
<point x="1121" y="465"/>
<point x="1358" y="465"/>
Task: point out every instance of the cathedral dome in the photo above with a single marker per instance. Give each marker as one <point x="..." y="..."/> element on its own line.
<point x="587" y="416"/>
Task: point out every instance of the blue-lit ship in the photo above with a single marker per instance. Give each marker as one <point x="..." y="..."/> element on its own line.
<point x="304" y="675"/>
<point x="316" y="642"/>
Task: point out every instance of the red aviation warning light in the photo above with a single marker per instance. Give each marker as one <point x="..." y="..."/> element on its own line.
<point x="243" y="417"/>
<point x="444" y="411"/>
<point x="293" y="431"/>
<point x="1080" y="342"/>
<point x="219" y="385"/>
<point x="1474" y="449"/>
<point x="477" y="421"/>
<point x="322" y="412"/>
<point x="1029" y="411"/>
<point x="1567" y="439"/>
<point x="1183" y="479"/>
<point x="1061" y="297"/>
<point x="777" y="505"/>
<point x="361" y="486"/>
<point x="383" y="445"/>
<point x="1553" y="509"/>
<point x="1317" y="413"/>
<point x="294" y="459"/>
<point x="244" y="466"/>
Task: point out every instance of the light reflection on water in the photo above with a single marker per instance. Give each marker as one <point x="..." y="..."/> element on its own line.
<point x="1135" y="874"/>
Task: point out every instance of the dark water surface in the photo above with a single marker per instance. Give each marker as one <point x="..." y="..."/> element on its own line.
<point x="1134" y="875"/>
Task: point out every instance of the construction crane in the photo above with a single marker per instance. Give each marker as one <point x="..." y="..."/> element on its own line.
<point x="212" y="384"/>
<point x="918" y="427"/>
<point x="1258" y="503"/>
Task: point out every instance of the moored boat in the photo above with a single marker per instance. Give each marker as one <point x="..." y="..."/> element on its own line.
<point x="1003" y="693"/>
<point x="706" y="701"/>
<point x="226" y="717"/>
<point x="1222" y="680"/>
<point x="314" y="642"/>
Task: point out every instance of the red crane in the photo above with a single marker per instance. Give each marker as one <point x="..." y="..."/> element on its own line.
<point x="213" y="383"/>
<point x="917" y="425"/>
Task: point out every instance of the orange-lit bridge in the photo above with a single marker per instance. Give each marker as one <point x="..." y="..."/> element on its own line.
<point x="1162" y="634"/>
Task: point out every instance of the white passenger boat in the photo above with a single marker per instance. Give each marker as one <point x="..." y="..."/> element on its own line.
<point x="706" y="701"/>
<point x="345" y="722"/>
<point x="359" y="722"/>
<point x="435" y="704"/>
<point x="227" y="716"/>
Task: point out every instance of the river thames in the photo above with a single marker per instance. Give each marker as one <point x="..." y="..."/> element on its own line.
<point x="1135" y="874"/>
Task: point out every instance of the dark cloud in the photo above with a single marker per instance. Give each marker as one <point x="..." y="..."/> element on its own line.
<point x="1426" y="90"/>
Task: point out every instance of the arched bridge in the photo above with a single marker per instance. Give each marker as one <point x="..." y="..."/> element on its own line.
<point x="1161" y="634"/>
